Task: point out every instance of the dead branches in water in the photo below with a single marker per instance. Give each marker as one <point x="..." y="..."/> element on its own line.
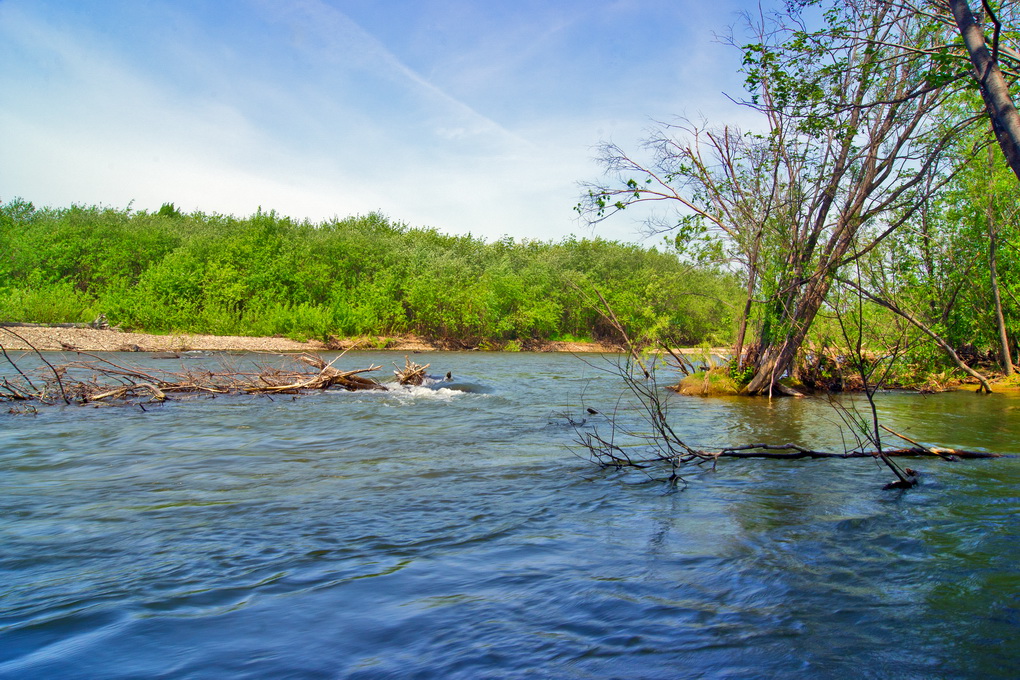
<point x="411" y="373"/>
<point x="664" y="450"/>
<point x="98" y="379"/>
<point x="642" y="435"/>
<point x="414" y="375"/>
<point x="293" y="382"/>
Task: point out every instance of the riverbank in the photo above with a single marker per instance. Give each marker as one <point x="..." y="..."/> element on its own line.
<point x="719" y="383"/>
<point x="49" y="338"/>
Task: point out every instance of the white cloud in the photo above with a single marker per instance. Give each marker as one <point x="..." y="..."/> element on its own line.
<point x="298" y="110"/>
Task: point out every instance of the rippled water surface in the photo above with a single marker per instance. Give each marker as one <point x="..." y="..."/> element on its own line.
<point x="451" y="533"/>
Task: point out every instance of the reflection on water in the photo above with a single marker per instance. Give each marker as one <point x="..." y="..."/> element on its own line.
<point x="450" y="533"/>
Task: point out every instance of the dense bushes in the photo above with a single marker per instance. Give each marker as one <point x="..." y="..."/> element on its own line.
<point x="271" y="275"/>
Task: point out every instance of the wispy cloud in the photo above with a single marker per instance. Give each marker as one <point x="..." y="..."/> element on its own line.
<point x="327" y="36"/>
<point x="298" y="107"/>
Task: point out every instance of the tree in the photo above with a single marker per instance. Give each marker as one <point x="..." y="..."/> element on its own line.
<point x="956" y="259"/>
<point x="989" y="75"/>
<point x="851" y="135"/>
<point x="946" y="18"/>
<point x="994" y="228"/>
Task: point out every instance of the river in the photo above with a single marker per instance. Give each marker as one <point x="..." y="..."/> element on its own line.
<point x="452" y="533"/>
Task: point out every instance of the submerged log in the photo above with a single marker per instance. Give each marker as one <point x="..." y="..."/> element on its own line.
<point x="614" y="457"/>
<point x="609" y="454"/>
<point x="794" y="452"/>
<point x="664" y="450"/>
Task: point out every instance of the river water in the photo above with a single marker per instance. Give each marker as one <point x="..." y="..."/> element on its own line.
<point x="452" y="533"/>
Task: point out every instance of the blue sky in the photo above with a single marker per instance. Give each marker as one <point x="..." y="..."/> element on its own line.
<point x="475" y="117"/>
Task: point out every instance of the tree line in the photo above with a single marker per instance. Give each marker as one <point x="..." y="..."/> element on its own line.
<point x="264" y="275"/>
<point x="875" y="199"/>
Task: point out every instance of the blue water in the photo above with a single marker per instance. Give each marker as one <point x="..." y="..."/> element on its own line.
<point x="453" y="533"/>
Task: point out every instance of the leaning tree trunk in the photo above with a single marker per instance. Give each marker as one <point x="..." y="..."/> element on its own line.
<point x="994" y="89"/>
<point x="776" y="360"/>
<point x="945" y="346"/>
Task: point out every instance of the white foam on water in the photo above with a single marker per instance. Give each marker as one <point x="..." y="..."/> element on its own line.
<point x="409" y="393"/>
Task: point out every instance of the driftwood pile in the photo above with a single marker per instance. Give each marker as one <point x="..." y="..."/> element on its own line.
<point x="95" y="379"/>
<point x="411" y="373"/>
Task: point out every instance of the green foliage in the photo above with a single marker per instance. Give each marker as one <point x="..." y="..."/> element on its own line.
<point x="359" y="276"/>
<point x="944" y="260"/>
<point x="741" y="375"/>
<point x="169" y="210"/>
<point x="712" y="382"/>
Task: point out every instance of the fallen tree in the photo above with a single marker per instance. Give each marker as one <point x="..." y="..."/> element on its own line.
<point x="654" y="445"/>
<point x="96" y="379"/>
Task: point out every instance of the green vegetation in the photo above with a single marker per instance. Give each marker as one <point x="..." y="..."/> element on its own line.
<point x="870" y="213"/>
<point x="265" y="275"/>
<point x="713" y="382"/>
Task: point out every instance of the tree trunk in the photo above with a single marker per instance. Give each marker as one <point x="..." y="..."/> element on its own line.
<point x="776" y="360"/>
<point x="1000" y="320"/>
<point x="994" y="90"/>
<point x="993" y="235"/>
<point x="738" y="350"/>
<point x="1007" y="360"/>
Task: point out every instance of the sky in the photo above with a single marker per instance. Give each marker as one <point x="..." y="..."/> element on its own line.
<point x="464" y="116"/>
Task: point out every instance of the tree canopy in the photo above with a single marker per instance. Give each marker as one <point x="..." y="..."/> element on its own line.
<point x="271" y="275"/>
<point x="862" y="106"/>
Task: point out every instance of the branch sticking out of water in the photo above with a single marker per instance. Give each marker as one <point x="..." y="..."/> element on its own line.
<point x="56" y="373"/>
<point x="654" y="444"/>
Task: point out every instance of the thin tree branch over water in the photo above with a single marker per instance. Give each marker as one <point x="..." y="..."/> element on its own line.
<point x="652" y="444"/>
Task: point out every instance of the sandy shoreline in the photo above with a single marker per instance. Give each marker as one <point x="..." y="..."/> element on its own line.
<point x="56" y="339"/>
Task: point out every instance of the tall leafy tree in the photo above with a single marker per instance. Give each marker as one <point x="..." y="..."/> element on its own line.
<point x="988" y="73"/>
<point x="853" y="129"/>
<point x="960" y="255"/>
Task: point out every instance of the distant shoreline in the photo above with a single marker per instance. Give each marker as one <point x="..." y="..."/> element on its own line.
<point x="57" y="339"/>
